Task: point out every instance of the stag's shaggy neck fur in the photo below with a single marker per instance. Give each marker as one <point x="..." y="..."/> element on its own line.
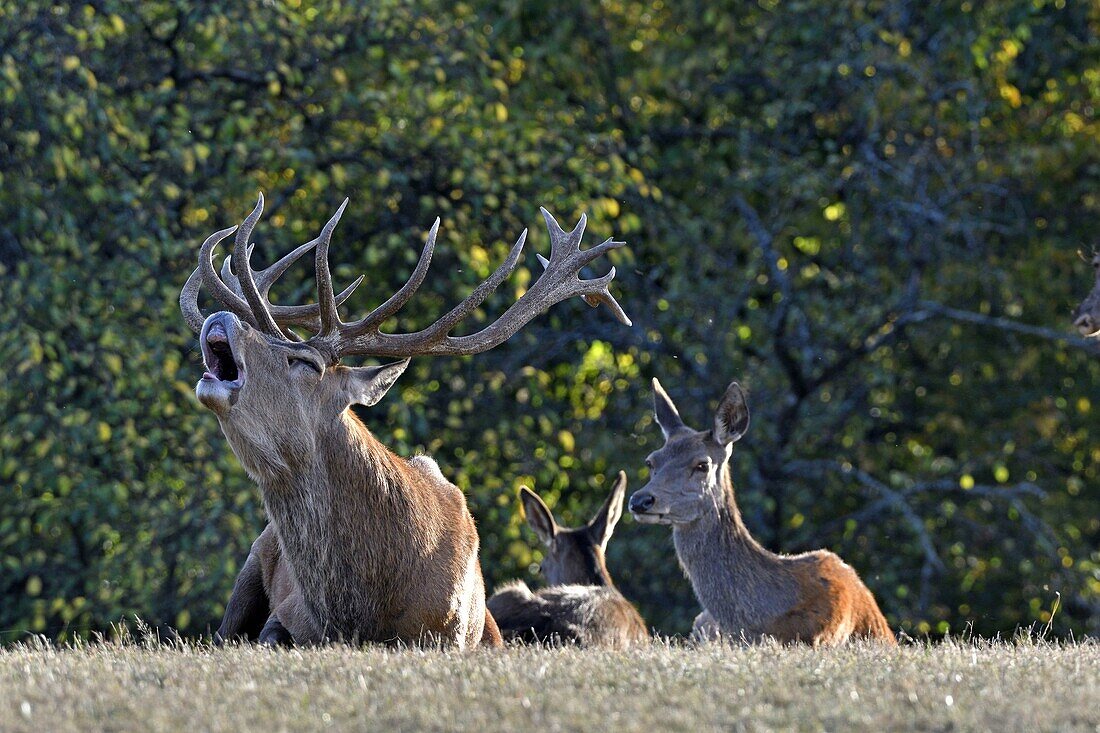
<point x="740" y="582"/>
<point x="330" y="507"/>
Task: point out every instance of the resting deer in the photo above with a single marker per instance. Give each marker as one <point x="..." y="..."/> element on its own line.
<point x="375" y="547"/>
<point x="582" y="604"/>
<point x="1086" y="317"/>
<point x="746" y="591"/>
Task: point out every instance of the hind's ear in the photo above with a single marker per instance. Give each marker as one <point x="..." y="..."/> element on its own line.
<point x="603" y="524"/>
<point x="367" y="385"/>
<point x="538" y="515"/>
<point x="668" y="417"/>
<point x="731" y="421"/>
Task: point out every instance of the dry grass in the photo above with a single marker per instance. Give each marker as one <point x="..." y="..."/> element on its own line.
<point x="1025" y="685"/>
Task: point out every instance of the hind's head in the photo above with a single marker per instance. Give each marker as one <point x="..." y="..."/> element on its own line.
<point x="575" y="556"/>
<point x="685" y="474"/>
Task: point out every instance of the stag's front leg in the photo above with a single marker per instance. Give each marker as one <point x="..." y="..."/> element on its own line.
<point x="290" y="623"/>
<point x="274" y="633"/>
<point x="248" y="605"/>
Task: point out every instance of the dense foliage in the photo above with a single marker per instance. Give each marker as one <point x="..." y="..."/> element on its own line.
<point x="868" y="213"/>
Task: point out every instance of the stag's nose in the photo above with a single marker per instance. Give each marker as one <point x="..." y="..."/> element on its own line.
<point x="1085" y="322"/>
<point x="641" y="502"/>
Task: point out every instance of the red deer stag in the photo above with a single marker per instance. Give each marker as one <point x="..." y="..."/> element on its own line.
<point x="746" y="591"/>
<point x="375" y="547"/>
<point x="582" y="604"/>
<point x="1086" y="317"/>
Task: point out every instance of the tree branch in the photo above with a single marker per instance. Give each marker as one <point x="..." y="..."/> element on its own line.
<point x="1007" y="324"/>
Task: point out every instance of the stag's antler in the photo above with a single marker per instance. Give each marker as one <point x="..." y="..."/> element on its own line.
<point x="248" y="300"/>
<point x="246" y="295"/>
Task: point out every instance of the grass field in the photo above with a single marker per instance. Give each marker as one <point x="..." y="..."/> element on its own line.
<point x="948" y="686"/>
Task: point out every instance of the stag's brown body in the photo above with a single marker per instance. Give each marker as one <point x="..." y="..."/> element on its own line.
<point x="582" y="604"/>
<point x="423" y="581"/>
<point x="746" y="591"/>
<point x="362" y="545"/>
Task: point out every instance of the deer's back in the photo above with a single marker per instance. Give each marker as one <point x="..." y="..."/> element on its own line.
<point x="833" y="604"/>
<point x="445" y="590"/>
<point x="583" y="614"/>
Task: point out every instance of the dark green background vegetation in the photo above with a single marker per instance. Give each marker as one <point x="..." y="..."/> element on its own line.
<point x="866" y="212"/>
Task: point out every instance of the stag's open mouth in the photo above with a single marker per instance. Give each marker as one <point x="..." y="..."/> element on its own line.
<point x="221" y="383"/>
<point x="217" y="353"/>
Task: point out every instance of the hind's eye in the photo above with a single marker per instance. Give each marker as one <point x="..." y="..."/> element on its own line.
<point x="702" y="466"/>
<point x="649" y="464"/>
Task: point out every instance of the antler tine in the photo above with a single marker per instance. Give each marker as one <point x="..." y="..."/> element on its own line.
<point x="597" y="292"/>
<point x="398" y="300"/>
<point x="330" y="319"/>
<point x="213" y="283"/>
<point x="444" y="325"/>
<point x="598" y="287"/>
<point x="266" y="278"/>
<point x="563" y="243"/>
<point x="259" y="307"/>
<point x="594" y="253"/>
<point x="189" y="302"/>
<point x="228" y="277"/>
<point x="285" y="315"/>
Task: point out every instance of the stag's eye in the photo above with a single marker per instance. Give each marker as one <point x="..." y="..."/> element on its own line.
<point x="702" y="466"/>
<point x="295" y="361"/>
<point x="649" y="464"/>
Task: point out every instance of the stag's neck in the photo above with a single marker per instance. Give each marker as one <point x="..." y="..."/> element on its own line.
<point x="345" y="522"/>
<point x="348" y="467"/>
<point x="736" y="579"/>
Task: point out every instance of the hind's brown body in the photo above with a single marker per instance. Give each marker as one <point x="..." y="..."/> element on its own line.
<point x="582" y="614"/>
<point x="582" y="604"/>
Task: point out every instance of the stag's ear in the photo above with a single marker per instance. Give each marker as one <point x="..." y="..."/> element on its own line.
<point x="538" y="515"/>
<point x="668" y="417"/>
<point x="603" y="524"/>
<point x="367" y="385"/>
<point x="731" y="421"/>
